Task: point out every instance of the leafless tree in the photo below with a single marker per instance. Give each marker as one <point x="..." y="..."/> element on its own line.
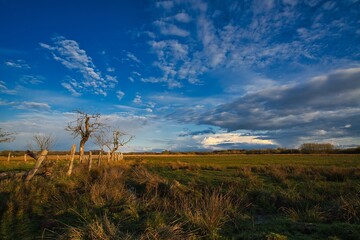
<point x="84" y="126"/>
<point x="113" y="141"/>
<point x="6" y="136"/>
<point x="316" y="148"/>
<point x="44" y="141"/>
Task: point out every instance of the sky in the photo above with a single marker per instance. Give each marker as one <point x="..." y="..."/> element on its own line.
<point x="183" y="75"/>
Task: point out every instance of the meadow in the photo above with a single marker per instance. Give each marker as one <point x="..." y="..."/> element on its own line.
<point x="185" y="197"/>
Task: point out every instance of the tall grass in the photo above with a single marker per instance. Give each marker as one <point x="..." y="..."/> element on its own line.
<point x="142" y="200"/>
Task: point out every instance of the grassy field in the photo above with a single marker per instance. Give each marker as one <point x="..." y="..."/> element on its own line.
<point x="185" y="197"/>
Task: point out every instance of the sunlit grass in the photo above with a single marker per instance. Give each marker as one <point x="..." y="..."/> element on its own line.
<point x="186" y="197"/>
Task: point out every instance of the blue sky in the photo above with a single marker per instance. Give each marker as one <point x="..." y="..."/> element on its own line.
<point x="183" y="75"/>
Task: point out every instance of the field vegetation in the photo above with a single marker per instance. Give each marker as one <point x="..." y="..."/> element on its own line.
<point x="184" y="197"/>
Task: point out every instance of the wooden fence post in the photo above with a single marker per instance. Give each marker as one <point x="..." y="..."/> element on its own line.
<point x="72" y="155"/>
<point x="25" y="159"/>
<point x="9" y="156"/>
<point x="38" y="162"/>
<point x="90" y="160"/>
<point x="99" y="159"/>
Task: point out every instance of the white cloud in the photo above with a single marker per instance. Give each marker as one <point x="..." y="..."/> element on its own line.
<point x="165" y="4"/>
<point x="137" y="99"/>
<point x="182" y="17"/>
<point x="30" y="79"/>
<point x="132" y="57"/>
<point x="120" y="94"/>
<point x="171" y="29"/>
<point x="4" y="89"/>
<point x="110" y="69"/>
<point x="17" y="64"/>
<point x="70" y="87"/>
<point x="34" y="106"/>
<point x="234" y="138"/>
<point x="69" y="54"/>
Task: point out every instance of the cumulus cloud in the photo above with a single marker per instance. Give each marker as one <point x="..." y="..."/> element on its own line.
<point x="69" y="54"/>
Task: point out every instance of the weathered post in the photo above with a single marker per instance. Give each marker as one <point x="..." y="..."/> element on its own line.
<point x="99" y="159"/>
<point x="90" y="160"/>
<point x="72" y="155"/>
<point x="38" y="162"/>
<point x="9" y="156"/>
<point x="57" y="157"/>
<point x="25" y="159"/>
<point x="121" y="156"/>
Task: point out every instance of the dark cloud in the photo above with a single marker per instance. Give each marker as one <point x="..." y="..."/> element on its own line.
<point x="196" y="133"/>
<point x="331" y="100"/>
<point x="318" y="109"/>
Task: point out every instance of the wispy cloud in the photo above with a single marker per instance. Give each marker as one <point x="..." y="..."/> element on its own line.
<point x="170" y="29"/>
<point x="120" y="95"/>
<point x="165" y="4"/>
<point x="34" y="106"/>
<point x="182" y="17"/>
<point x="17" y="64"/>
<point x="253" y="35"/>
<point x="69" y="54"/>
<point x="5" y="89"/>
<point x="33" y="80"/>
<point x="137" y="99"/>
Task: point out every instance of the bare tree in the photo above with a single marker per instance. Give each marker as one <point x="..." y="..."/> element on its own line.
<point x="6" y="136"/>
<point x="84" y="126"/>
<point x="114" y="141"/>
<point x="316" y="148"/>
<point x="44" y="141"/>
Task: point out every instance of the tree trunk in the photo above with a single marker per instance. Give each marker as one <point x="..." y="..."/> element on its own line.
<point x="81" y="150"/>
<point x="38" y="162"/>
<point x="113" y="156"/>
<point x="72" y="156"/>
<point x="90" y="160"/>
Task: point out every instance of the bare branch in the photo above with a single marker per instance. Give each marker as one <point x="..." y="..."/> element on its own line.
<point x="6" y="136"/>
<point x="44" y="141"/>
<point x="85" y="126"/>
<point x="117" y="140"/>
